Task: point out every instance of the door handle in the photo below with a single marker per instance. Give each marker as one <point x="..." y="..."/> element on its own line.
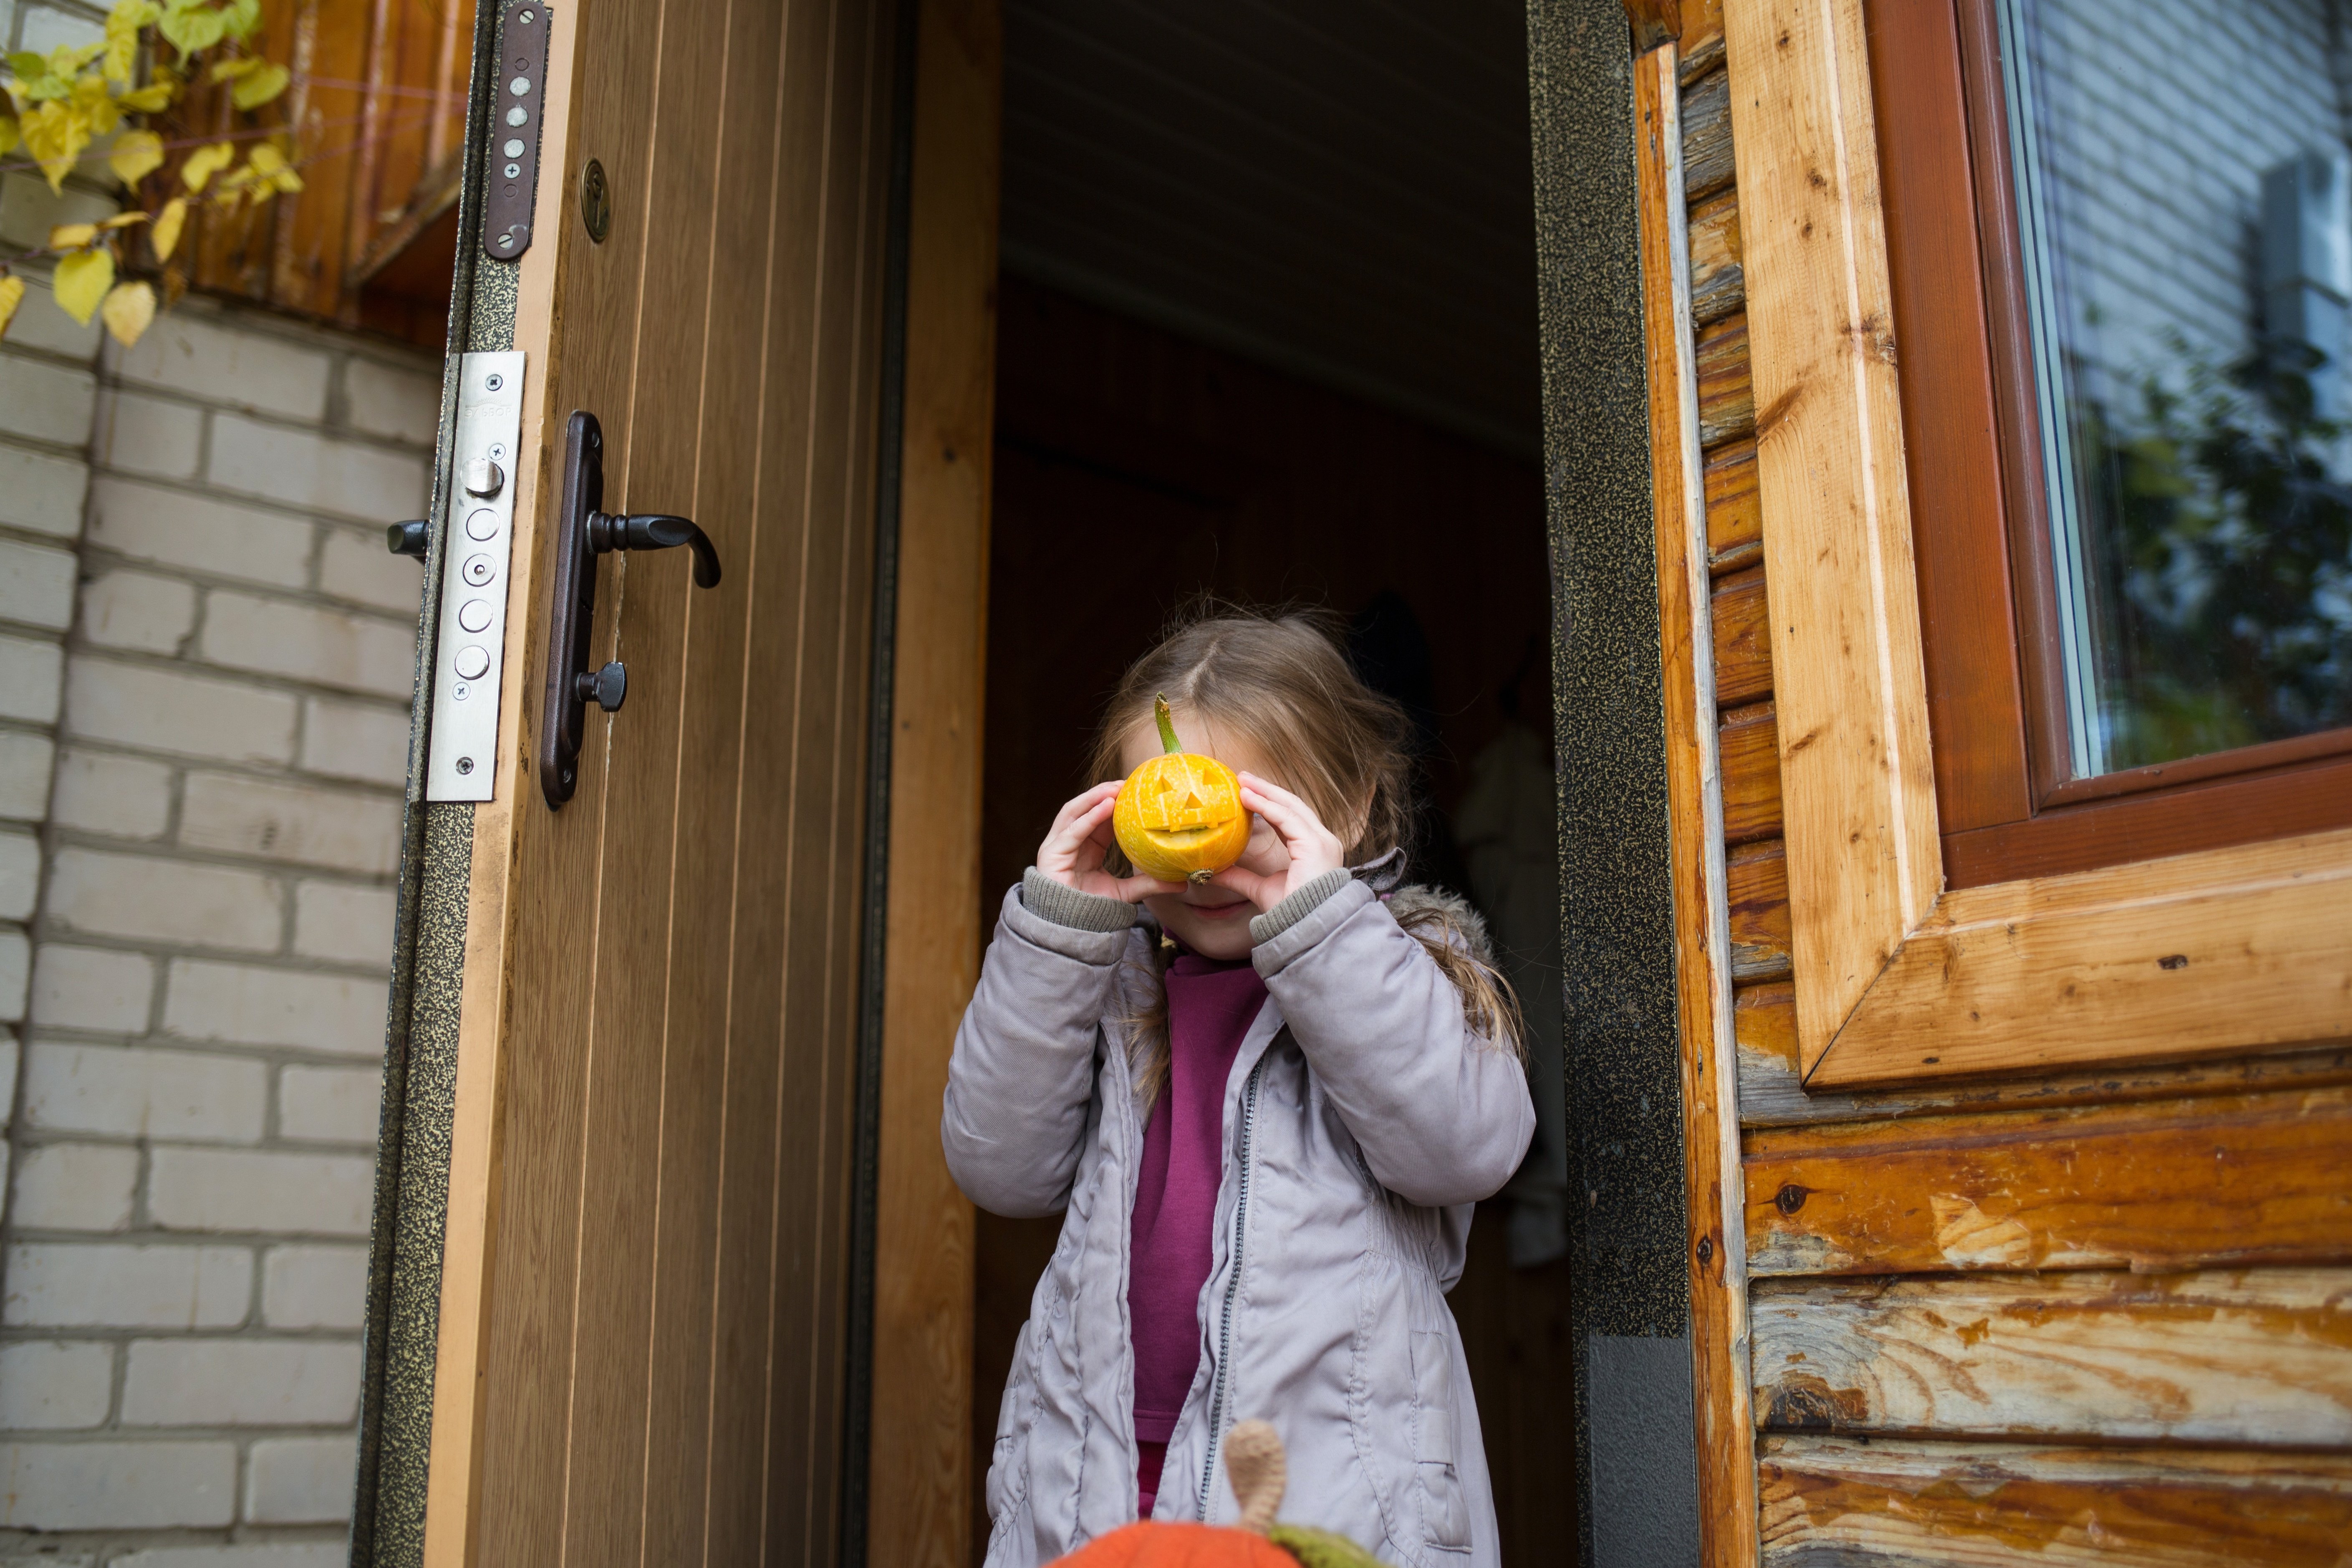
<point x="583" y="531"/>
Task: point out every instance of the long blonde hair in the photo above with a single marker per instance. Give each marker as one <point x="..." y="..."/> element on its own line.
<point x="1278" y="680"/>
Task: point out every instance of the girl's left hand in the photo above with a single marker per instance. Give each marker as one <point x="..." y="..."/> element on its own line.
<point x="1313" y="848"/>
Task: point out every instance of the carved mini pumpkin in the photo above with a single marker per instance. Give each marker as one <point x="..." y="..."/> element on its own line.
<point x="1259" y="1470"/>
<point x="1180" y="816"/>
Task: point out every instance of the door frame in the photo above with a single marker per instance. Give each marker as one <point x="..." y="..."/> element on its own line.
<point x="925" y="960"/>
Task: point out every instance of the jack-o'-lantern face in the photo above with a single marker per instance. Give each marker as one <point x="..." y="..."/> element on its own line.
<point x="1180" y="816"/>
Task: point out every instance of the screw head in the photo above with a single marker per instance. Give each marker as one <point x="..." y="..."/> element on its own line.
<point x="464" y="765"/>
<point x="494" y="381"/>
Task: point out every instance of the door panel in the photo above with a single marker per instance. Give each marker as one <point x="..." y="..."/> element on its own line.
<point x="650" y="1172"/>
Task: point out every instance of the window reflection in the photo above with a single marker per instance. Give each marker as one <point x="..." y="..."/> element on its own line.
<point x="2184" y="204"/>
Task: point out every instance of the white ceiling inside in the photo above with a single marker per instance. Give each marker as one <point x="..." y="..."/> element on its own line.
<point x="1339" y="188"/>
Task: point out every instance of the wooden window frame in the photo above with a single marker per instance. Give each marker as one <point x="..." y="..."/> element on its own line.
<point x="1898" y="977"/>
<point x="2008" y="804"/>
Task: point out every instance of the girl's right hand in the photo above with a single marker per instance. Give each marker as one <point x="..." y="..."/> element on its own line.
<point x="1080" y="841"/>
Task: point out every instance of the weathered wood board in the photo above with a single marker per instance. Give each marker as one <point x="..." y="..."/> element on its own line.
<point x="1702" y="39"/>
<point x="1707" y="136"/>
<point x="2259" y="1357"/>
<point x="1717" y="284"/>
<point x="1756" y="881"/>
<point x="1832" y="1503"/>
<point x="1743" y="646"/>
<point x="2182" y="1183"/>
<point x="1726" y="397"/>
<point x="1750" y="746"/>
<point x="1735" y="522"/>
<point x="1772" y="1094"/>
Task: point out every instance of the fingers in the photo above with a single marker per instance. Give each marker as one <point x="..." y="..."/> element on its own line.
<point x="1247" y="883"/>
<point x="1079" y="806"/>
<point x="1082" y="821"/>
<point x="1135" y="890"/>
<point x="1291" y="818"/>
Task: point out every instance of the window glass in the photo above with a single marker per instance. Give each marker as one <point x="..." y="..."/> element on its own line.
<point x="2185" y="212"/>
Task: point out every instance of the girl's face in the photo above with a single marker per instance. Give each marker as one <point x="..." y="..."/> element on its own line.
<point x="1212" y="922"/>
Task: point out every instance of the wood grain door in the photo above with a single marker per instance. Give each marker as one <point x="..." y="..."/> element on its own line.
<point x="644" y="1289"/>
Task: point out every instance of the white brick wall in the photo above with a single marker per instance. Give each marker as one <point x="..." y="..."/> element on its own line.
<point x="2160" y="119"/>
<point x="204" y="667"/>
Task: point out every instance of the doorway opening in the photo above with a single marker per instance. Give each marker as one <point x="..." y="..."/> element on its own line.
<point x="1268" y="331"/>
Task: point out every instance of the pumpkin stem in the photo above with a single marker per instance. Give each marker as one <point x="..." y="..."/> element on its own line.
<point x="1257" y="1466"/>
<point x="1168" y="742"/>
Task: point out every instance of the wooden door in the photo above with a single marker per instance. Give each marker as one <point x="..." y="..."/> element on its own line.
<point x="638" y="1323"/>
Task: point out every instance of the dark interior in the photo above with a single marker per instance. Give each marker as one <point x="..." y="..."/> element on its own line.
<point x="1268" y="333"/>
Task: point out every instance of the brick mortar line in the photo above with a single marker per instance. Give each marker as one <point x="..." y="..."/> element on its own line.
<point x="217" y="861"/>
<point x="257" y="772"/>
<point x="66" y="933"/>
<point x="258" y="679"/>
<point x="306" y="598"/>
<point x="56" y="358"/>
<point x="242" y="1050"/>
<point x="116" y="381"/>
<point x="203" y="490"/>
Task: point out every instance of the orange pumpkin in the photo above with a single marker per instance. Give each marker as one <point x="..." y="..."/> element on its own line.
<point x="1180" y="816"/>
<point x="1152" y="1545"/>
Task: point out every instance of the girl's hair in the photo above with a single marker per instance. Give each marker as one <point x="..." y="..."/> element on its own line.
<point x="1278" y="680"/>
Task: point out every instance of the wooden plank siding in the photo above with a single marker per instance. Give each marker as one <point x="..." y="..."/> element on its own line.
<point x="1847" y="1503"/>
<point x="377" y="107"/>
<point x="2088" y="1316"/>
<point x="2257" y="1357"/>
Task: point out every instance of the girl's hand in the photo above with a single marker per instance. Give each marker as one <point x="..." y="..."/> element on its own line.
<point x="1080" y="840"/>
<point x="1313" y="848"/>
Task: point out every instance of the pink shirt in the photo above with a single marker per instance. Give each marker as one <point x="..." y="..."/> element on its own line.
<point x="1211" y="1006"/>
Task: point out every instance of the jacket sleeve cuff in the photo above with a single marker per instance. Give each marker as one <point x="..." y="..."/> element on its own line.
<point x="1301" y="903"/>
<point x="1066" y="906"/>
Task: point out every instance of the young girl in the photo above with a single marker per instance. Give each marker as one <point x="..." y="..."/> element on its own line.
<point x="1268" y="1103"/>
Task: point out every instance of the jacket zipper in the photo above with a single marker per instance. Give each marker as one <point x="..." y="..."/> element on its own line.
<point x="1233" y="1287"/>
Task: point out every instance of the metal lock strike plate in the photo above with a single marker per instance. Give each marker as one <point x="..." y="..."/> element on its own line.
<point x="510" y="173"/>
<point x="476" y="554"/>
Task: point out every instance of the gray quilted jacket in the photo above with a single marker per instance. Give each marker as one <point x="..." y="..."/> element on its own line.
<point x="1362" y="1120"/>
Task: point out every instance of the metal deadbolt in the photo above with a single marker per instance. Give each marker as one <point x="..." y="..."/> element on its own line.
<point x="484" y="477"/>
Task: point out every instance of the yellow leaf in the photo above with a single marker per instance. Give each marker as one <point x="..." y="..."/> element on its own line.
<point x="12" y="294"/>
<point x="9" y="134"/>
<point x="259" y="88"/>
<point x="136" y="154"/>
<point x="128" y="308"/>
<point x="55" y="135"/>
<point x="124" y="220"/>
<point x="66" y="60"/>
<point x="122" y="25"/>
<point x="265" y="159"/>
<point x="229" y="70"/>
<point x="91" y="99"/>
<point x="204" y="163"/>
<point x="82" y="280"/>
<point x="148" y="100"/>
<point x="72" y="236"/>
<point x="191" y="28"/>
<point x="165" y="236"/>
